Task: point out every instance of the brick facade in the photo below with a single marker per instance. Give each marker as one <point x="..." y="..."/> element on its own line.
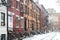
<point x="16" y="12"/>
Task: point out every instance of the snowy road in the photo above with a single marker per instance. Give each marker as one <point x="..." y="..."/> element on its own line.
<point x="48" y="36"/>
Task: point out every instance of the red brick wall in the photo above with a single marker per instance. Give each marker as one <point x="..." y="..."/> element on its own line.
<point x="16" y="12"/>
<point x="40" y="20"/>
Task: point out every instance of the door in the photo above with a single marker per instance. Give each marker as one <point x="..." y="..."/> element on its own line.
<point x="25" y="24"/>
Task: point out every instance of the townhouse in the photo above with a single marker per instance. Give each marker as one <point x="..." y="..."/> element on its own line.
<point x="15" y="19"/>
<point x="3" y="20"/>
<point x="23" y="16"/>
<point x="44" y="20"/>
<point x="31" y="16"/>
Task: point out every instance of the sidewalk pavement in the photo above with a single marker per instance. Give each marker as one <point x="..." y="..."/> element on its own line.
<point x="47" y="36"/>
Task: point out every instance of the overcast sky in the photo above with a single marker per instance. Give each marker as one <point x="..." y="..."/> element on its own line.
<point x="50" y="4"/>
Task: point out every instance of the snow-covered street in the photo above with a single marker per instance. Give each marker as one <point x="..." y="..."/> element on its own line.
<point x="48" y="36"/>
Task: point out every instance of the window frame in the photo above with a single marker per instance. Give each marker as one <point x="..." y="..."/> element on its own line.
<point x="11" y="3"/>
<point x="17" y="5"/>
<point x="17" y="22"/>
<point x="2" y="20"/>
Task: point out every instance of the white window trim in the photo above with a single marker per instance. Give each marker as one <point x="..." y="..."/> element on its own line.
<point x="10" y="13"/>
<point x="17" y="9"/>
<point x="18" y="0"/>
<point x="17" y="16"/>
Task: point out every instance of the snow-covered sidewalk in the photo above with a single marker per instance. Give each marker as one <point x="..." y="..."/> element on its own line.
<point x="48" y="36"/>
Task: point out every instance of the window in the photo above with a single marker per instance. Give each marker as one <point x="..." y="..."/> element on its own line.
<point x="11" y="2"/>
<point x="16" y="21"/>
<point x="25" y="24"/>
<point x="37" y="25"/>
<point x="10" y="17"/>
<point x="27" y="2"/>
<point x="22" y="23"/>
<point x="28" y="23"/>
<point x="26" y="9"/>
<point x="32" y="26"/>
<point x="30" y="2"/>
<point x="3" y="2"/>
<point x="38" y="17"/>
<point x="31" y="13"/>
<point x="3" y="37"/>
<point x="22" y="0"/>
<point x="10" y="22"/>
<point x="22" y="8"/>
<point x="2" y="19"/>
<point x="17" y="5"/>
<point x="35" y="15"/>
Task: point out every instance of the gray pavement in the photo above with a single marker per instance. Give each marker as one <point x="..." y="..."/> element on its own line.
<point x="48" y="36"/>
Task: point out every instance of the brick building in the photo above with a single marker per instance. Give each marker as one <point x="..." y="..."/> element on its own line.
<point x="14" y="19"/>
<point x="44" y="20"/>
<point x="24" y="16"/>
<point x="31" y="16"/>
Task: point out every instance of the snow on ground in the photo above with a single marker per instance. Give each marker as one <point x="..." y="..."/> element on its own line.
<point x="47" y="36"/>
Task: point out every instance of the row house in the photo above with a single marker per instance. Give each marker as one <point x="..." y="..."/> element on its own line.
<point x="25" y="16"/>
<point x="15" y="19"/>
<point x="3" y="20"/>
<point x="31" y="15"/>
<point x="21" y="16"/>
<point x="44" y="20"/>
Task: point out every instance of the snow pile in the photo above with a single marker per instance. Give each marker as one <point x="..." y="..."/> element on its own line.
<point x="48" y="36"/>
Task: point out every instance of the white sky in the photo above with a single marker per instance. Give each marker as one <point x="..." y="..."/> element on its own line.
<point x="50" y="4"/>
